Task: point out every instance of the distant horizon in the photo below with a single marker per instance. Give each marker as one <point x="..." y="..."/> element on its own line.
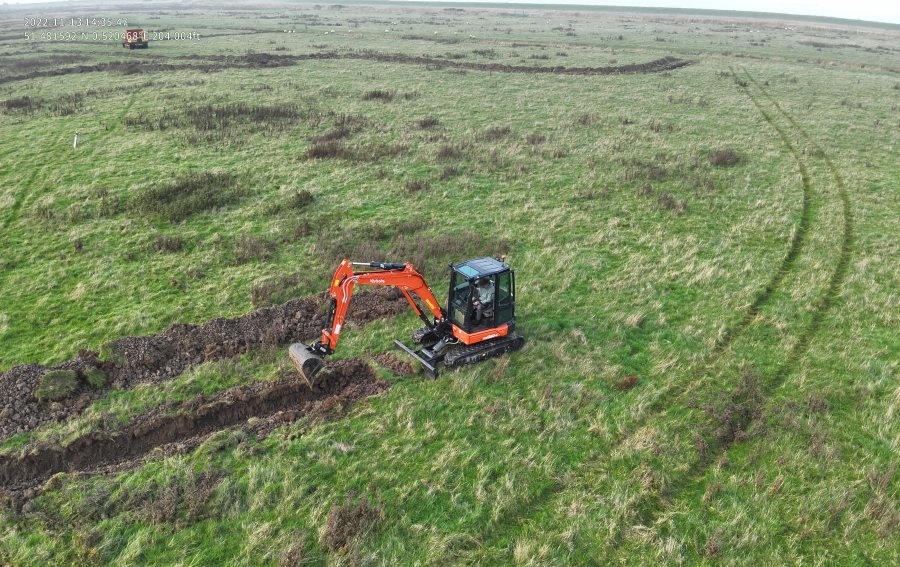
<point x="862" y="10"/>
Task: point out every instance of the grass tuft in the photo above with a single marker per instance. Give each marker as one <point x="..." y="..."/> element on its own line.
<point x="325" y="149"/>
<point x="379" y="94"/>
<point x="495" y="133"/>
<point x="168" y="243"/>
<point x="535" y="138"/>
<point x="428" y="122"/>
<point x="250" y="248"/>
<point x="348" y="522"/>
<point x="725" y="157"/>
<point x="95" y="377"/>
<point x="192" y="194"/>
<point x="416" y="185"/>
<point x="56" y="385"/>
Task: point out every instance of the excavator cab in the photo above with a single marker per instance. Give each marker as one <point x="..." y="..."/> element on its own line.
<point x="486" y="279"/>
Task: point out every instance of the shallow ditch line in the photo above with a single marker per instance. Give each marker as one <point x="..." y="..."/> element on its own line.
<point x="345" y="380"/>
<point x="167" y="354"/>
<point x="696" y="473"/>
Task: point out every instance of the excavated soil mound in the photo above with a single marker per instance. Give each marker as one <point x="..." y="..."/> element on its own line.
<point x="667" y="63"/>
<point x="340" y="384"/>
<point x="210" y="64"/>
<point x="390" y="361"/>
<point x="163" y="356"/>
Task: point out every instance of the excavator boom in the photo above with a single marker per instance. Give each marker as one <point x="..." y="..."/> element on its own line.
<point x="309" y="359"/>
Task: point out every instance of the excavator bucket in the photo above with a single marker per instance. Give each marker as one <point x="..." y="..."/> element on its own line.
<point x="307" y="362"/>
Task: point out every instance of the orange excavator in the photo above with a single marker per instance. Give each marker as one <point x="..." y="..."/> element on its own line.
<point x="478" y="322"/>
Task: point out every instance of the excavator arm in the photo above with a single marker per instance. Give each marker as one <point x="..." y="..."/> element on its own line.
<point x="309" y="359"/>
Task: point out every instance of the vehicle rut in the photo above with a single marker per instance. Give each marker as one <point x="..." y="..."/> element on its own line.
<point x="651" y="506"/>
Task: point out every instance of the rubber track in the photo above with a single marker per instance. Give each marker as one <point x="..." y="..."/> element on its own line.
<point x="471" y="354"/>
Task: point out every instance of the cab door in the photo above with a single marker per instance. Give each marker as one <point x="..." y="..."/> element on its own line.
<point x="459" y="304"/>
<point x="505" y="298"/>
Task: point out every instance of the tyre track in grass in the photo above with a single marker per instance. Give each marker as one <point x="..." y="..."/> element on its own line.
<point x="507" y="526"/>
<point x="848" y="242"/>
<point x="19" y="197"/>
<point x="650" y="506"/>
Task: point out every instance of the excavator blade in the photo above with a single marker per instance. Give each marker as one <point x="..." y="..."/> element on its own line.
<point x="428" y="364"/>
<point x="307" y="362"/>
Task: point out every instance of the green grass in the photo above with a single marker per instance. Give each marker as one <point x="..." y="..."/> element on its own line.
<point x="635" y="254"/>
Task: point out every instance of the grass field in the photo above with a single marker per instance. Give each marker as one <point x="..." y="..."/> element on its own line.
<point x="706" y="261"/>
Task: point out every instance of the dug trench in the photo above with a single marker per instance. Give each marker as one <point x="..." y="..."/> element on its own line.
<point x="272" y="404"/>
<point x="163" y="356"/>
<point x="210" y="64"/>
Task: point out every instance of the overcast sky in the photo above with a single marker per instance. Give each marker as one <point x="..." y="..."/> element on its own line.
<point x="883" y="11"/>
<point x="874" y="10"/>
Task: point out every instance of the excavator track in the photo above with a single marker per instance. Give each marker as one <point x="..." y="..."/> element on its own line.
<point x="470" y="354"/>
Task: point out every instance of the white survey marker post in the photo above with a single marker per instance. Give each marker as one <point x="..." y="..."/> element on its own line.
<point x="75" y="143"/>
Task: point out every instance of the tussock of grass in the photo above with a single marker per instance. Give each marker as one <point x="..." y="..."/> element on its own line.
<point x="416" y="185"/>
<point x="379" y="94"/>
<point x="495" y="133"/>
<point x="95" y="377"/>
<point x="325" y="149"/>
<point x="56" y="385"/>
<point x="725" y="157"/>
<point x="535" y="138"/>
<point x="448" y="152"/>
<point x="348" y="521"/>
<point x="189" y="195"/>
<point x="449" y="171"/>
<point x="428" y="122"/>
<point x="168" y="243"/>
<point x="336" y="133"/>
<point x="250" y="248"/>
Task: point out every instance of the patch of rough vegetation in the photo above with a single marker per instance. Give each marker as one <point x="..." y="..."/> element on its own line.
<point x="56" y="385"/>
<point x="188" y="195"/>
<point x="348" y="522"/>
<point x="724" y="157"/>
